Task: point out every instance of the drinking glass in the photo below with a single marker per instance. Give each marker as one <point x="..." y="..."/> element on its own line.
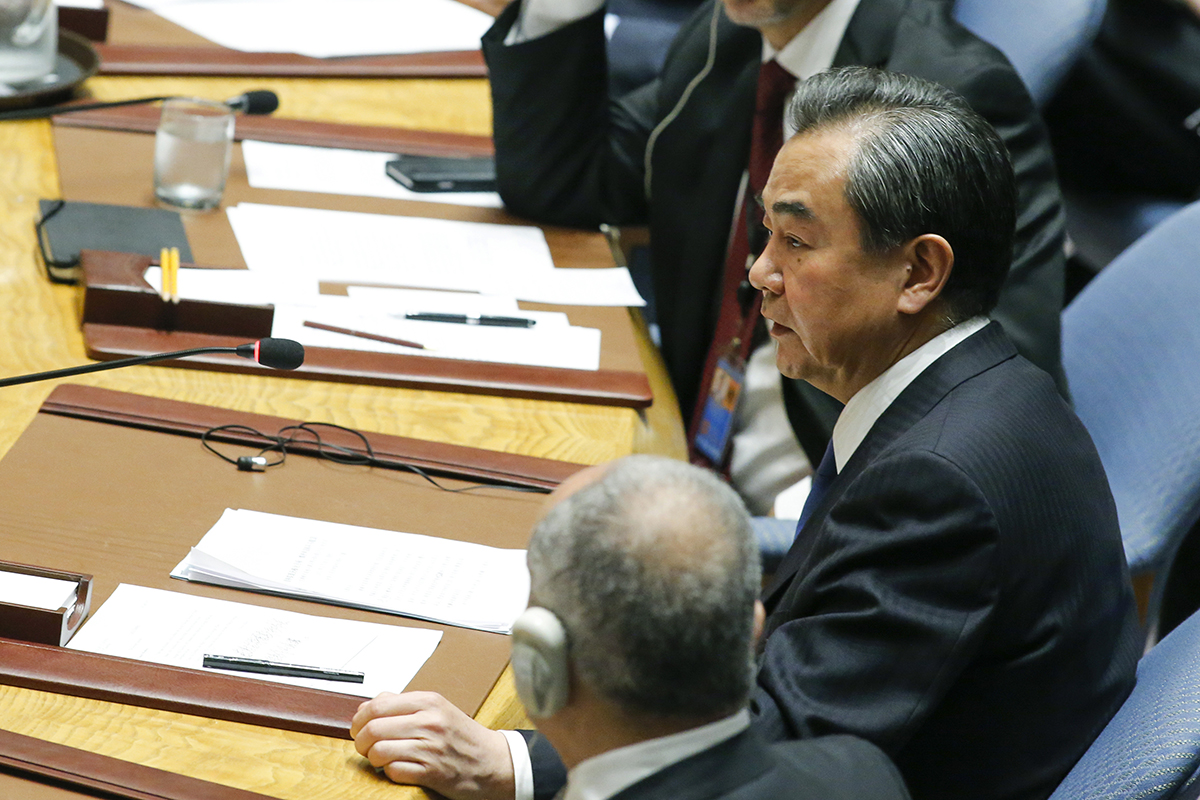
<point x="28" y="40"/>
<point x="191" y="152"/>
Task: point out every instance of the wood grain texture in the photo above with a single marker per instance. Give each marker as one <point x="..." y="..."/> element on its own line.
<point x="39" y="331"/>
<point x="289" y="766"/>
<point x="459" y="105"/>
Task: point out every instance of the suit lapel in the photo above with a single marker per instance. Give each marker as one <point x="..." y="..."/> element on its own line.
<point x="869" y="36"/>
<point x="978" y="353"/>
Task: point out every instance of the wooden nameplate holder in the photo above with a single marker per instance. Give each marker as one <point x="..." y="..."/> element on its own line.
<point x="43" y="625"/>
<point x="124" y="317"/>
<point x="116" y="293"/>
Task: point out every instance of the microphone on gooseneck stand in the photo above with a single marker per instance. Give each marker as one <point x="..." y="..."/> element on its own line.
<point x="273" y="353"/>
<point x="257" y="101"/>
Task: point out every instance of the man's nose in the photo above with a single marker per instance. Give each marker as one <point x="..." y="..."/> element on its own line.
<point x="763" y="275"/>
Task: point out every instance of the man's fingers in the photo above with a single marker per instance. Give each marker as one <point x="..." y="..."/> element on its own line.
<point x="397" y="706"/>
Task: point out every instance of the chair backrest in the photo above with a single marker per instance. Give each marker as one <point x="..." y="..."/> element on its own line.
<point x="1042" y="38"/>
<point x="1131" y="352"/>
<point x="1152" y="746"/>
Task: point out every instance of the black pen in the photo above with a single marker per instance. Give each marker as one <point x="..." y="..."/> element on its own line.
<point x="239" y="664"/>
<point x="463" y="319"/>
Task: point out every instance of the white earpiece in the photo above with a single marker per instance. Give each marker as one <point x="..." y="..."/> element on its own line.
<point x="539" y="661"/>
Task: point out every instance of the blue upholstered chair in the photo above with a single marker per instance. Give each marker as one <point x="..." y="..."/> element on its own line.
<point x="640" y="31"/>
<point x="1131" y="351"/>
<point x="1152" y="746"/>
<point x="1042" y="38"/>
<point x="1103" y="224"/>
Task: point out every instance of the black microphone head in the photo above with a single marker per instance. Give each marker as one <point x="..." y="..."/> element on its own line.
<point x="279" y="353"/>
<point x="258" y="101"/>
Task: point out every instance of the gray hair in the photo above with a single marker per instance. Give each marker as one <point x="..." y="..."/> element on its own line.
<point x="654" y="572"/>
<point x="923" y="162"/>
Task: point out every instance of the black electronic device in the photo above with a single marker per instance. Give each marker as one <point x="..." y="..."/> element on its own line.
<point x="443" y="173"/>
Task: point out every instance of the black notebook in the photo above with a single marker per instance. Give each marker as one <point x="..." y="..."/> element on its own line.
<point x="66" y="228"/>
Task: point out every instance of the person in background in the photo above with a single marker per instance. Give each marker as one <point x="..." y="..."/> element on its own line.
<point x="687" y="153"/>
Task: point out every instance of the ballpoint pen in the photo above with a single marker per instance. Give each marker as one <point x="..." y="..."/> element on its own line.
<point x="263" y="667"/>
<point x="464" y="319"/>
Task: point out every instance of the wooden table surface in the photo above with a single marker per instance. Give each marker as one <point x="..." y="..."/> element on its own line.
<point x="39" y="330"/>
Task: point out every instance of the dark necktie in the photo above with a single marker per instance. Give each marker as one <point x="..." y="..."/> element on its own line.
<point x="739" y="302"/>
<point x="824" y="476"/>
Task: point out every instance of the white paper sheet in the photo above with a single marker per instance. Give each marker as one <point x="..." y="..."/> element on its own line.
<point x="323" y="29"/>
<point x="552" y="342"/>
<point x="179" y="629"/>
<point x="399" y="301"/>
<point x="334" y="171"/>
<point x="578" y="287"/>
<point x="237" y="286"/>
<point x="36" y="591"/>
<point x="381" y="249"/>
<point x="457" y="583"/>
<point x="416" y="252"/>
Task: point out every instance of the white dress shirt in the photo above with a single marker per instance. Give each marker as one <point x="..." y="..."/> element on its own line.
<point x="865" y="408"/>
<point x="603" y="776"/>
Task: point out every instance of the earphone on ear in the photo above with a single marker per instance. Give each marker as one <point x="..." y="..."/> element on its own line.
<point x="539" y="662"/>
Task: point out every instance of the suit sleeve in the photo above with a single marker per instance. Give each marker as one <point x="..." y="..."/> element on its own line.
<point x="565" y="153"/>
<point x="549" y="772"/>
<point x="888" y="610"/>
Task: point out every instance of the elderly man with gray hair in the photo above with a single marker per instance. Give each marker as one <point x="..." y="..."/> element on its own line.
<point x="636" y="653"/>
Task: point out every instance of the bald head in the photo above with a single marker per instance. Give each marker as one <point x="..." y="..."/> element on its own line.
<point x="653" y="570"/>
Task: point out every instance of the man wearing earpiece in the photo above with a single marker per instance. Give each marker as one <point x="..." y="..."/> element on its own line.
<point x="674" y="155"/>
<point x="636" y="654"/>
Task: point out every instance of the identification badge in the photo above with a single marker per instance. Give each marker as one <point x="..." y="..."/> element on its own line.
<point x="716" y="423"/>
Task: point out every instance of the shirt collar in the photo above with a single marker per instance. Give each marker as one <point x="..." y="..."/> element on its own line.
<point x="813" y="49"/>
<point x="603" y="776"/>
<point x="869" y="403"/>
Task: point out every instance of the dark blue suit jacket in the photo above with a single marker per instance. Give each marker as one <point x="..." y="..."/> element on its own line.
<point x="746" y="767"/>
<point x="960" y="597"/>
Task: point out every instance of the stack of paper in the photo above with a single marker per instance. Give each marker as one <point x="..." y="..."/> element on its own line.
<point x="322" y="29"/>
<point x="311" y="244"/>
<point x="36" y="591"/>
<point x="551" y="342"/>
<point x="456" y="583"/>
<point x="179" y="629"/>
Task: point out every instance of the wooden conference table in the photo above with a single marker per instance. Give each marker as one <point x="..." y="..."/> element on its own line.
<point x="39" y="330"/>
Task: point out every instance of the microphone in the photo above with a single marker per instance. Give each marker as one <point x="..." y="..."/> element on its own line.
<point x="273" y="353"/>
<point x="258" y="101"/>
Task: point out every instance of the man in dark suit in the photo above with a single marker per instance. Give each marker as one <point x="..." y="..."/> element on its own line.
<point x="637" y="652"/>
<point x="958" y="593"/>
<point x="673" y="153"/>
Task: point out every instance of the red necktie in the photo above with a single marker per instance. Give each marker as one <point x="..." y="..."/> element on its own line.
<point x="740" y="305"/>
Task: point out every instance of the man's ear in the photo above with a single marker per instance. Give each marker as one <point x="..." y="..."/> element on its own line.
<point x="930" y="260"/>
<point x="760" y="619"/>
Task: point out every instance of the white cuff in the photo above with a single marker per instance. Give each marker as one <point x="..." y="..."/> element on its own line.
<point x="540" y="17"/>
<point x="522" y="766"/>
